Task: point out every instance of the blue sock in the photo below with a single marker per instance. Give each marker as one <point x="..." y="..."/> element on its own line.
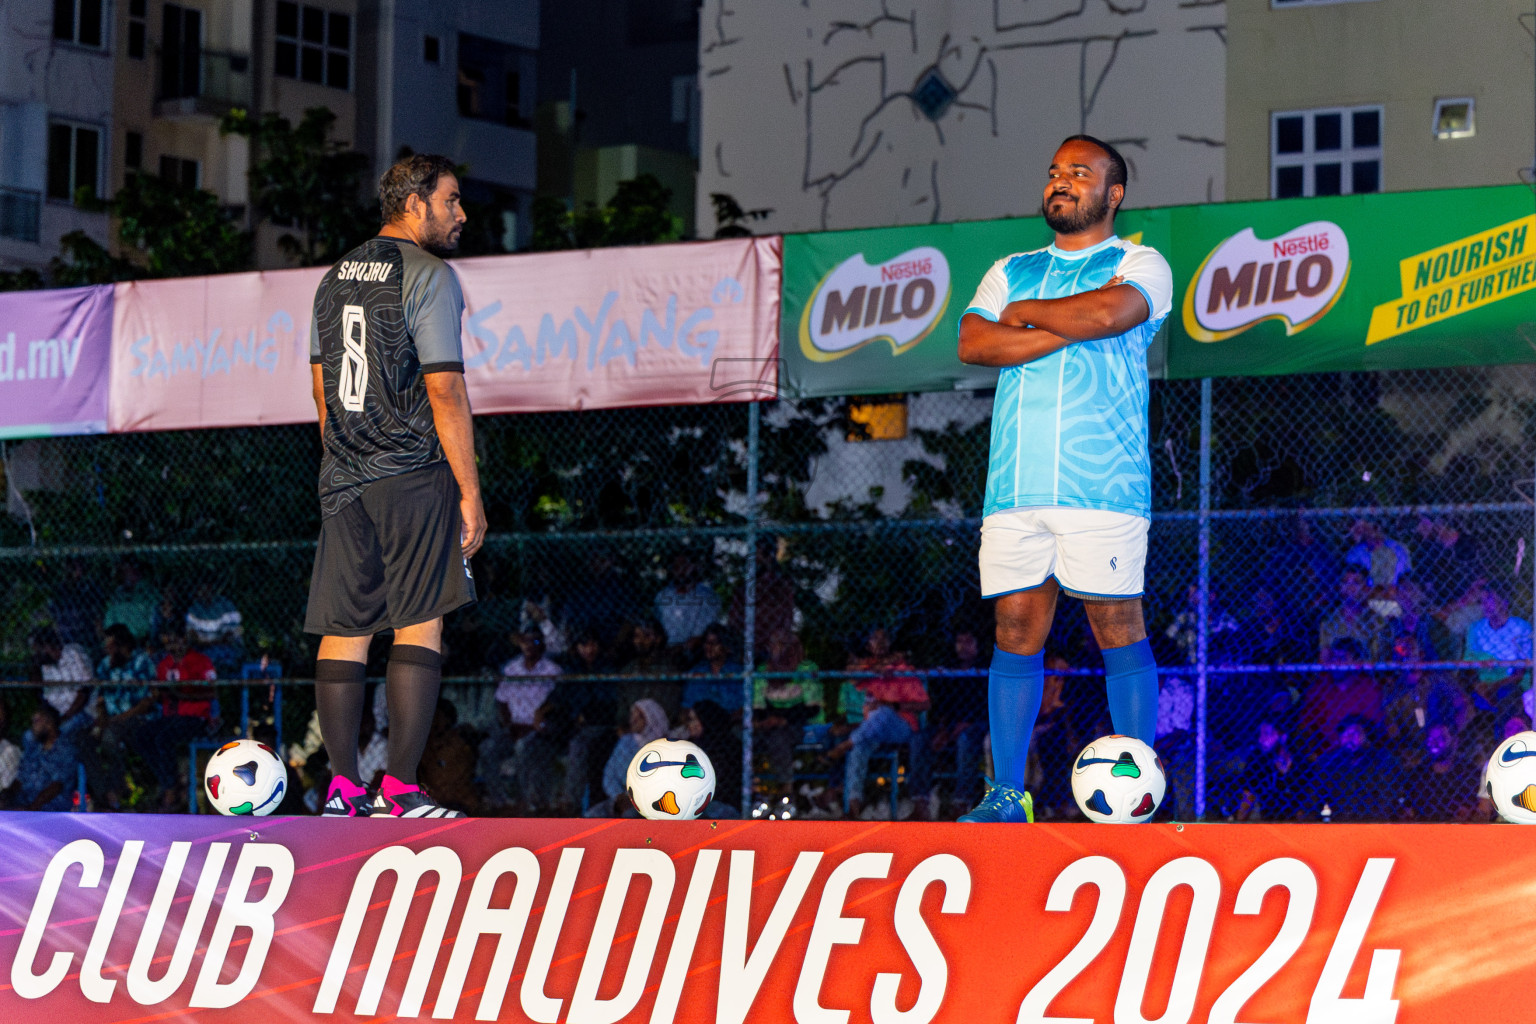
<point x="1014" y="686"/>
<point x="1130" y="677"/>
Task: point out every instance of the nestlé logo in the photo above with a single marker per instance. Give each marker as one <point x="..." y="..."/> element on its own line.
<point x="1295" y="278"/>
<point x="898" y="301"/>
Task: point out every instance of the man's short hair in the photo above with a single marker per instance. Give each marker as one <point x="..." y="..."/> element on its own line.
<point x="1349" y="647"/>
<point x="121" y="635"/>
<point x="414" y="175"/>
<point x="1117" y="169"/>
<point x="46" y="636"/>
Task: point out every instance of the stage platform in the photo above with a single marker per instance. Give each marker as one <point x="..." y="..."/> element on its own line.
<point x="139" y="918"/>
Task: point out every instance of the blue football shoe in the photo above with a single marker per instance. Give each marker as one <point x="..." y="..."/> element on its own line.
<point x="1003" y="803"/>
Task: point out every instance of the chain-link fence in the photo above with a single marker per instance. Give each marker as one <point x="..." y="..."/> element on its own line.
<point x="1328" y="556"/>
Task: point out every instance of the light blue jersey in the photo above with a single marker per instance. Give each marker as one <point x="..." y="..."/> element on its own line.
<point x="1070" y="428"/>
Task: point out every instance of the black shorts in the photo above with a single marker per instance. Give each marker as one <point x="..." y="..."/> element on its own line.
<point x="391" y="558"/>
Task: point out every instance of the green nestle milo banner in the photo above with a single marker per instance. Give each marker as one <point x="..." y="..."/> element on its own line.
<point x="1387" y="281"/>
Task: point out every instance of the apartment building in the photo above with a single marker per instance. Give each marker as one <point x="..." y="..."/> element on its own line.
<point x="1331" y="97"/>
<point x="455" y="77"/>
<point x="56" y="124"/>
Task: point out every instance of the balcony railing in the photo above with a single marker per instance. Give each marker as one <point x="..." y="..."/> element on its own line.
<point x="19" y="212"/>
<point x="202" y="83"/>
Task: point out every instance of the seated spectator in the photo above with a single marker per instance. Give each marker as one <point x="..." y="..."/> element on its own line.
<point x="1269" y="634"/>
<point x="652" y="658"/>
<point x="1355" y="620"/>
<point x="587" y="658"/>
<point x="1445" y="560"/>
<point x="709" y="725"/>
<point x="1346" y="690"/>
<point x="186" y="711"/>
<point x="686" y="605"/>
<point x="1420" y="699"/>
<point x="118" y="710"/>
<point x="957" y="721"/>
<point x="49" y="771"/>
<point x="593" y="736"/>
<point x="783" y="706"/>
<point x="526" y="682"/>
<point x="1175" y="745"/>
<point x="775" y="600"/>
<point x="535" y="617"/>
<point x="1415" y="619"/>
<point x="75" y="604"/>
<point x="539" y="763"/>
<point x="892" y="702"/>
<point x="1499" y="636"/>
<point x="60" y="664"/>
<point x="721" y="672"/>
<point x="647" y="721"/>
<point x="135" y="601"/>
<point x="1443" y="787"/>
<point x="447" y="768"/>
<point x="1383" y="559"/>
<point x="1354" y="781"/>
<point x="1273" y="780"/>
<point x="1305" y="570"/>
<point x="604" y="600"/>
<point x="1221" y="629"/>
<point x="214" y="624"/>
<point x="10" y="761"/>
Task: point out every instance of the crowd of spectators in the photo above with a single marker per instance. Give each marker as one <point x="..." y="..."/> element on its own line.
<point x="1334" y="716"/>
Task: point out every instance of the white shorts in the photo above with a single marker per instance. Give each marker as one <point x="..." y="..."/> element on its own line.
<point x="1092" y="553"/>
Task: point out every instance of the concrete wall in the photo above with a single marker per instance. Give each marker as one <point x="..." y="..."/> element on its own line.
<point x="1402" y="56"/>
<point x="43" y="80"/>
<point x="808" y="106"/>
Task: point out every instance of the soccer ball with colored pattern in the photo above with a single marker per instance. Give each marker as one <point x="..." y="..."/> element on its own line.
<point x="245" y="777"/>
<point x="1511" y="779"/>
<point x="670" y="780"/>
<point x="1118" y="780"/>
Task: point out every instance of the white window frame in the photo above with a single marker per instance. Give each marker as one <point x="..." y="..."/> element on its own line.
<point x="1445" y="101"/>
<point x="1309" y="157"/>
<point x="106" y="27"/>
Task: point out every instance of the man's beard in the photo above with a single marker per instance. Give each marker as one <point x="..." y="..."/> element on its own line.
<point x="1080" y="217"/>
<point x="439" y="235"/>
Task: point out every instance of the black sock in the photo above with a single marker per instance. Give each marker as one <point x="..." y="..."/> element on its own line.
<point x="410" y="686"/>
<point x="339" y="694"/>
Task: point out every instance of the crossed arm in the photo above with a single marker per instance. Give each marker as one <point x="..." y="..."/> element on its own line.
<point x="1032" y="328"/>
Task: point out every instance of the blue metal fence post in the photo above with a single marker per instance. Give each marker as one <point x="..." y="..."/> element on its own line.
<point x="1203" y="611"/>
<point x="749" y="602"/>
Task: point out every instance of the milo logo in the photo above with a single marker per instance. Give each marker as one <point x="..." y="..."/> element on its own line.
<point x="1295" y="278"/>
<point x="898" y="301"/>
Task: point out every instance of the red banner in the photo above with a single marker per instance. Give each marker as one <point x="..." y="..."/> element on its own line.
<point x="139" y="918"/>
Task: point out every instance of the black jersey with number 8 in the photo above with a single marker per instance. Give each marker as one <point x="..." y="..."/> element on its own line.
<point x="386" y="314"/>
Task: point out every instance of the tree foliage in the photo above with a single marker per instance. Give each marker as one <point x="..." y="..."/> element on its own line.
<point x="638" y="214"/>
<point x="305" y="179"/>
<point x="23" y="280"/>
<point x="731" y="219"/>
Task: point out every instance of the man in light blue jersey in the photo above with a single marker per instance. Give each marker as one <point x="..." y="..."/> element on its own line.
<point x="1068" y="480"/>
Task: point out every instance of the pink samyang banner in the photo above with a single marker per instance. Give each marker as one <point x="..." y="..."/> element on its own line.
<point x="660" y="325"/>
<point x="225" y="351"/>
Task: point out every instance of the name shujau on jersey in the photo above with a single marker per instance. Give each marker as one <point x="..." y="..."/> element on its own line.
<point x="350" y="270"/>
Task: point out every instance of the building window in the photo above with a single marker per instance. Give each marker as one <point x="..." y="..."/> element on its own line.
<point x="494" y="81"/>
<point x="181" y="52"/>
<point x="133" y="150"/>
<point x="1455" y="119"/>
<point x="431" y="49"/>
<point x="138" y="15"/>
<point x="186" y="173"/>
<point x="74" y="161"/>
<point x="313" y="45"/>
<point x="1330" y="152"/>
<point x="78" y="21"/>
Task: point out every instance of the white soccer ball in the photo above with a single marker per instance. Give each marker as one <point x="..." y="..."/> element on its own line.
<point x="1510" y="779"/>
<point x="1118" y="780"/>
<point x="670" y="780"/>
<point x="245" y="777"/>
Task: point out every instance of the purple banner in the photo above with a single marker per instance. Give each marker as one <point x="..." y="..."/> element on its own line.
<point x="55" y="350"/>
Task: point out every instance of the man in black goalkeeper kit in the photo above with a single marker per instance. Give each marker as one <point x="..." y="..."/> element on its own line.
<point x="399" y="495"/>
